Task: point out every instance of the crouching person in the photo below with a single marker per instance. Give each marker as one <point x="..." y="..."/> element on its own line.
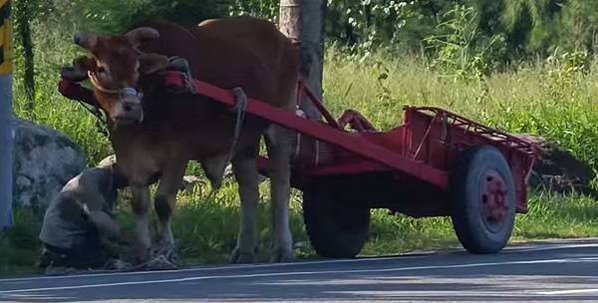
<point x="79" y="223"/>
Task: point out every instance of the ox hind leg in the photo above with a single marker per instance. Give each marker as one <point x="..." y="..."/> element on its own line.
<point x="278" y="144"/>
<point x="164" y="204"/>
<point x="244" y="165"/>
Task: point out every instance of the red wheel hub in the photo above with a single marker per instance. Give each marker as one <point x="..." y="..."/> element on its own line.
<point x="494" y="195"/>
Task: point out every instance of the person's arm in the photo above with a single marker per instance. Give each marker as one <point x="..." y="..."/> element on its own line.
<point x="107" y="227"/>
<point x="96" y="207"/>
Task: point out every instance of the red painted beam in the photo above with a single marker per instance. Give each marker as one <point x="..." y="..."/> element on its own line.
<point x="349" y="169"/>
<point x="342" y="139"/>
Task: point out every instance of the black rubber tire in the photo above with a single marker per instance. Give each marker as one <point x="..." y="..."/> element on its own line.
<point x="335" y="230"/>
<point x="473" y="227"/>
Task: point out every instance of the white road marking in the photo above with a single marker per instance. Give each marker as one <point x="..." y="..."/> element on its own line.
<point x="433" y="293"/>
<point x="276" y="274"/>
<point x="568" y="291"/>
<point x="550" y="247"/>
<point x="275" y="265"/>
<point x="214" y="268"/>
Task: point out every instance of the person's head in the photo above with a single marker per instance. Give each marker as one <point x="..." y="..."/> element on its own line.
<point x="118" y="180"/>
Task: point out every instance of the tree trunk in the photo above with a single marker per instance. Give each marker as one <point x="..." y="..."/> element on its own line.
<point x="23" y="16"/>
<point x="304" y="22"/>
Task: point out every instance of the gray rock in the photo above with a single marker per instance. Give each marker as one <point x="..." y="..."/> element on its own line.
<point x="45" y="159"/>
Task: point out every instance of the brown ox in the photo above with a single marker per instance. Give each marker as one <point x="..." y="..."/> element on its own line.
<point x="154" y="131"/>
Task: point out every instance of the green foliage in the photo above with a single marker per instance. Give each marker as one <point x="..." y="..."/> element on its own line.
<point x="565" y="73"/>
<point x="384" y="96"/>
<point x="522" y="28"/>
<point x="500" y="30"/>
<point x="24" y="12"/>
<point x="518" y="101"/>
<point x="540" y="19"/>
<point x="206" y="230"/>
<point x="460" y="48"/>
<point x="52" y="109"/>
<point x="267" y="9"/>
<point x="581" y="19"/>
<point x="112" y="16"/>
<point x="551" y="216"/>
<point x="20" y="246"/>
<point x="542" y="26"/>
<point x="367" y="23"/>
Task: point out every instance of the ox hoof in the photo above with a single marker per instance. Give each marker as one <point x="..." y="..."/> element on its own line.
<point x="283" y="256"/>
<point x="166" y="250"/>
<point x="159" y="263"/>
<point x="239" y="257"/>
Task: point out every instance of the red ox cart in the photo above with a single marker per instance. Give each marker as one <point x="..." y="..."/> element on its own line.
<point x="436" y="163"/>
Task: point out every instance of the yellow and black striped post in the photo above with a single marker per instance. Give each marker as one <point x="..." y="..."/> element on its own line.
<point x="6" y="117"/>
<point x="5" y="38"/>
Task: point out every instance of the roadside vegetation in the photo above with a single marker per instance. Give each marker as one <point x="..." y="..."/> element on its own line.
<point x="544" y="84"/>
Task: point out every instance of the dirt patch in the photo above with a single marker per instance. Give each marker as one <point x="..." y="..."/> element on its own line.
<point x="559" y="171"/>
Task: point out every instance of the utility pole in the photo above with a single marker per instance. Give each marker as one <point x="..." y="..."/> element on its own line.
<point x="6" y="117"/>
<point x="303" y="21"/>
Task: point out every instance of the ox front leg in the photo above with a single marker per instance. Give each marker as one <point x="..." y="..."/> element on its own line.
<point x="140" y="205"/>
<point x="278" y="143"/>
<point x="245" y="169"/>
<point x="164" y="205"/>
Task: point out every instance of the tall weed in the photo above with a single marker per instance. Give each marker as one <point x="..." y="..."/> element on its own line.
<point x="460" y="48"/>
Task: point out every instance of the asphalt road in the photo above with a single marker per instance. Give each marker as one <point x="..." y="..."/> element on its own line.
<point x="563" y="271"/>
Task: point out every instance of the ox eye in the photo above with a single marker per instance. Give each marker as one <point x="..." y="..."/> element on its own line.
<point x="101" y="70"/>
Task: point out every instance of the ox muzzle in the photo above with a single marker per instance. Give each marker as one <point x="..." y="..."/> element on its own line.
<point x="128" y="109"/>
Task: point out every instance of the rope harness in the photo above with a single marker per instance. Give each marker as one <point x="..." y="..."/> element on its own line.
<point x="182" y="65"/>
<point x="100" y="117"/>
<point x="121" y="92"/>
<point x="93" y="110"/>
<point x="240" y="108"/>
<point x="94" y="81"/>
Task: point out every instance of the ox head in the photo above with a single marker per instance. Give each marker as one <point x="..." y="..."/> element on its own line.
<point x="115" y="69"/>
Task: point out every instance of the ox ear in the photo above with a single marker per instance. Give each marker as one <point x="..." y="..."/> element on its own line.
<point x="150" y="63"/>
<point x="138" y="35"/>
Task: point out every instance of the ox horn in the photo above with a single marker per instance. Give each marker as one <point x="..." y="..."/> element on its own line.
<point x="84" y="40"/>
<point x="141" y="33"/>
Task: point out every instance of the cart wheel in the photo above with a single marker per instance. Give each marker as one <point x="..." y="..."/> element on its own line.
<point x="483" y="206"/>
<point x="334" y="230"/>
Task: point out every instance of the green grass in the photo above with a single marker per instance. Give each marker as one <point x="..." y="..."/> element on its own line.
<point x="206" y="229"/>
<point x="51" y="108"/>
<point x="533" y="98"/>
<point x="20" y="245"/>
